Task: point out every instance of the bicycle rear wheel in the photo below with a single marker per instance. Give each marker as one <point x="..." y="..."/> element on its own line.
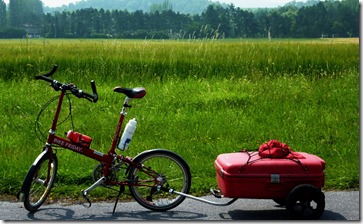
<point x="39" y="181"/>
<point x="161" y="170"/>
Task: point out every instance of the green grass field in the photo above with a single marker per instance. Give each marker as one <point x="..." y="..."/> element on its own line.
<point x="203" y="98"/>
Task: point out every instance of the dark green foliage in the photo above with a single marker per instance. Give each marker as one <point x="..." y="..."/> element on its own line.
<point x="187" y="6"/>
<point x="324" y="19"/>
<point x="12" y="33"/>
<point x="23" y="12"/>
<point x="3" y="21"/>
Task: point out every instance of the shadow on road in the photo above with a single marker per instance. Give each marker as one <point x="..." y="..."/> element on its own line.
<point x="272" y="215"/>
<point x="69" y="214"/>
<point x="52" y="213"/>
<point x="159" y="216"/>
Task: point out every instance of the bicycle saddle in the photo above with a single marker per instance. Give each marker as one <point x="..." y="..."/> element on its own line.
<point x="138" y="92"/>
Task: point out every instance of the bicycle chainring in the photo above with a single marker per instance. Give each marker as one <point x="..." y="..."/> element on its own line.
<point x="98" y="173"/>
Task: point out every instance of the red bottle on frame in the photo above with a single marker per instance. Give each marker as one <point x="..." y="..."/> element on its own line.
<point x="79" y="138"/>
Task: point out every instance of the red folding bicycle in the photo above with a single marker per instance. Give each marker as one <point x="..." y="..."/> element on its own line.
<point x="158" y="179"/>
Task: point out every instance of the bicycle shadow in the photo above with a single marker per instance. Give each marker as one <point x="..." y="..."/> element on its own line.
<point x="67" y="214"/>
<point x="52" y="213"/>
<point x="160" y="216"/>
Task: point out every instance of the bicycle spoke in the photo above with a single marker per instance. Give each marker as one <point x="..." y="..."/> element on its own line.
<point x="167" y="170"/>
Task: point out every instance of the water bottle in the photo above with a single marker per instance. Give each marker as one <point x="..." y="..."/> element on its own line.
<point x="79" y="138"/>
<point x="127" y="135"/>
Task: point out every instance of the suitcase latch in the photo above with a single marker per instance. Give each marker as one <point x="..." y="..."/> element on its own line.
<point x="275" y="178"/>
<point x="221" y="172"/>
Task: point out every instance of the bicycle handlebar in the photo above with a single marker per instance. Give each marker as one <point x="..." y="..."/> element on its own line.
<point x="45" y="76"/>
<point x="74" y="90"/>
<point x="94" y="96"/>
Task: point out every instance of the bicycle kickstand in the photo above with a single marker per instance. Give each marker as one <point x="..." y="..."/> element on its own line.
<point x="122" y="189"/>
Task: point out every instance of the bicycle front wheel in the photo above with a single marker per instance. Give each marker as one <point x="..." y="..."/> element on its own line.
<point x="161" y="170"/>
<point x="39" y="181"/>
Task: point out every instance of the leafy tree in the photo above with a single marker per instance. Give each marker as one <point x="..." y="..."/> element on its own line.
<point x="25" y="12"/>
<point x="263" y="23"/>
<point x="12" y="33"/>
<point x="165" y="6"/>
<point x="3" y="22"/>
<point x="187" y="6"/>
<point x="122" y="21"/>
<point x="346" y="12"/>
<point x="331" y="17"/>
<point x="107" y="22"/>
<point x="211" y="21"/>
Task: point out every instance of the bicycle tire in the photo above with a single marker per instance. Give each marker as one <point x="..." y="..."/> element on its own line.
<point x="35" y="189"/>
<point x="172" y="173"/>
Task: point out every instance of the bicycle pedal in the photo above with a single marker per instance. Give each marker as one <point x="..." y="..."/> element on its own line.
<point x="84" y="194"/>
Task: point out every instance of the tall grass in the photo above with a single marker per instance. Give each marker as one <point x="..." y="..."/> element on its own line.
<point x="145" y="60"/>
<point x="203" y="98"/>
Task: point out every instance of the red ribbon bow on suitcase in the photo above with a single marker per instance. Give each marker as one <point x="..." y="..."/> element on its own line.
<point x="276" y="149"/>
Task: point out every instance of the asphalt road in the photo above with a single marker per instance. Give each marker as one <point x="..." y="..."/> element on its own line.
<point x="339" y="206"/>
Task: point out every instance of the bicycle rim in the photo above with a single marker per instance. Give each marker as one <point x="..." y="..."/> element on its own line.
<point x="169" y="171"/>
<point x="39" y="181"/>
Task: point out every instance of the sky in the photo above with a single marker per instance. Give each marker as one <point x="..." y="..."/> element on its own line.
<point x="237" y="3"/>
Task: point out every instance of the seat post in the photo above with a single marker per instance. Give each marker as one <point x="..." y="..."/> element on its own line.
<point x="125" y="105"/>
<point x="119" y="124"/>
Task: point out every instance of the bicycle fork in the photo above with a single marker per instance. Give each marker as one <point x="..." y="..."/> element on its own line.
<point x="93" y="186"/>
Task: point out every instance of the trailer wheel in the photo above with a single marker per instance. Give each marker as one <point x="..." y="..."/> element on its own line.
<point x="305" y="202"/>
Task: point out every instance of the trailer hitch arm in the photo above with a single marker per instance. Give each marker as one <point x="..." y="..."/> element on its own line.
<point x="171" y="191"/>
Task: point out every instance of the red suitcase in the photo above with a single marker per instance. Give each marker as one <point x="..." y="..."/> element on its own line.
<point x="247" y="175"/>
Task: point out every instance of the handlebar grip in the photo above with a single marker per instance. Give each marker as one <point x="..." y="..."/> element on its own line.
<point x="94" y="91"/>
<point x="55" y="67"/>
<point x="93" y="85"/>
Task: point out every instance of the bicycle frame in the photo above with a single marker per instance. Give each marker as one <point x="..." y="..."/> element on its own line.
<point x="105" y="159"/>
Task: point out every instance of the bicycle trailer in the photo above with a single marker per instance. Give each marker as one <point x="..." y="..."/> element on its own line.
<point x="247" y="175"/>
<point x="291" y="179"/>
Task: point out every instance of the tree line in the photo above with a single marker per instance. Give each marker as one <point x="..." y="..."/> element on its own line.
<point x="182" y="6"/>
<point x="325" y="19"/>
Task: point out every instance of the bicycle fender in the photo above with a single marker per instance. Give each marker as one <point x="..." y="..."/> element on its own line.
<point x="20" y="194"/>
<point x="136" y="158"/>
<point x="40" y="156"/>
<point x="151" y="150"/>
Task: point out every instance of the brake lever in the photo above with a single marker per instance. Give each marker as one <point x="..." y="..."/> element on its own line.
<point x="55" y="85"/>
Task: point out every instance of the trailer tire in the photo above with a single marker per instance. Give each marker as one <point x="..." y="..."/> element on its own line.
<point x="305" y="202"/>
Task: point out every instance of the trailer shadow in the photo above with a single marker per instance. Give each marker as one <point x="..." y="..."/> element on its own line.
<point x="272" y="215"/>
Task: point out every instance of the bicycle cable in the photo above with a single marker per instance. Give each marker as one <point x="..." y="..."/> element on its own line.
<point x="41" y="135"/>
